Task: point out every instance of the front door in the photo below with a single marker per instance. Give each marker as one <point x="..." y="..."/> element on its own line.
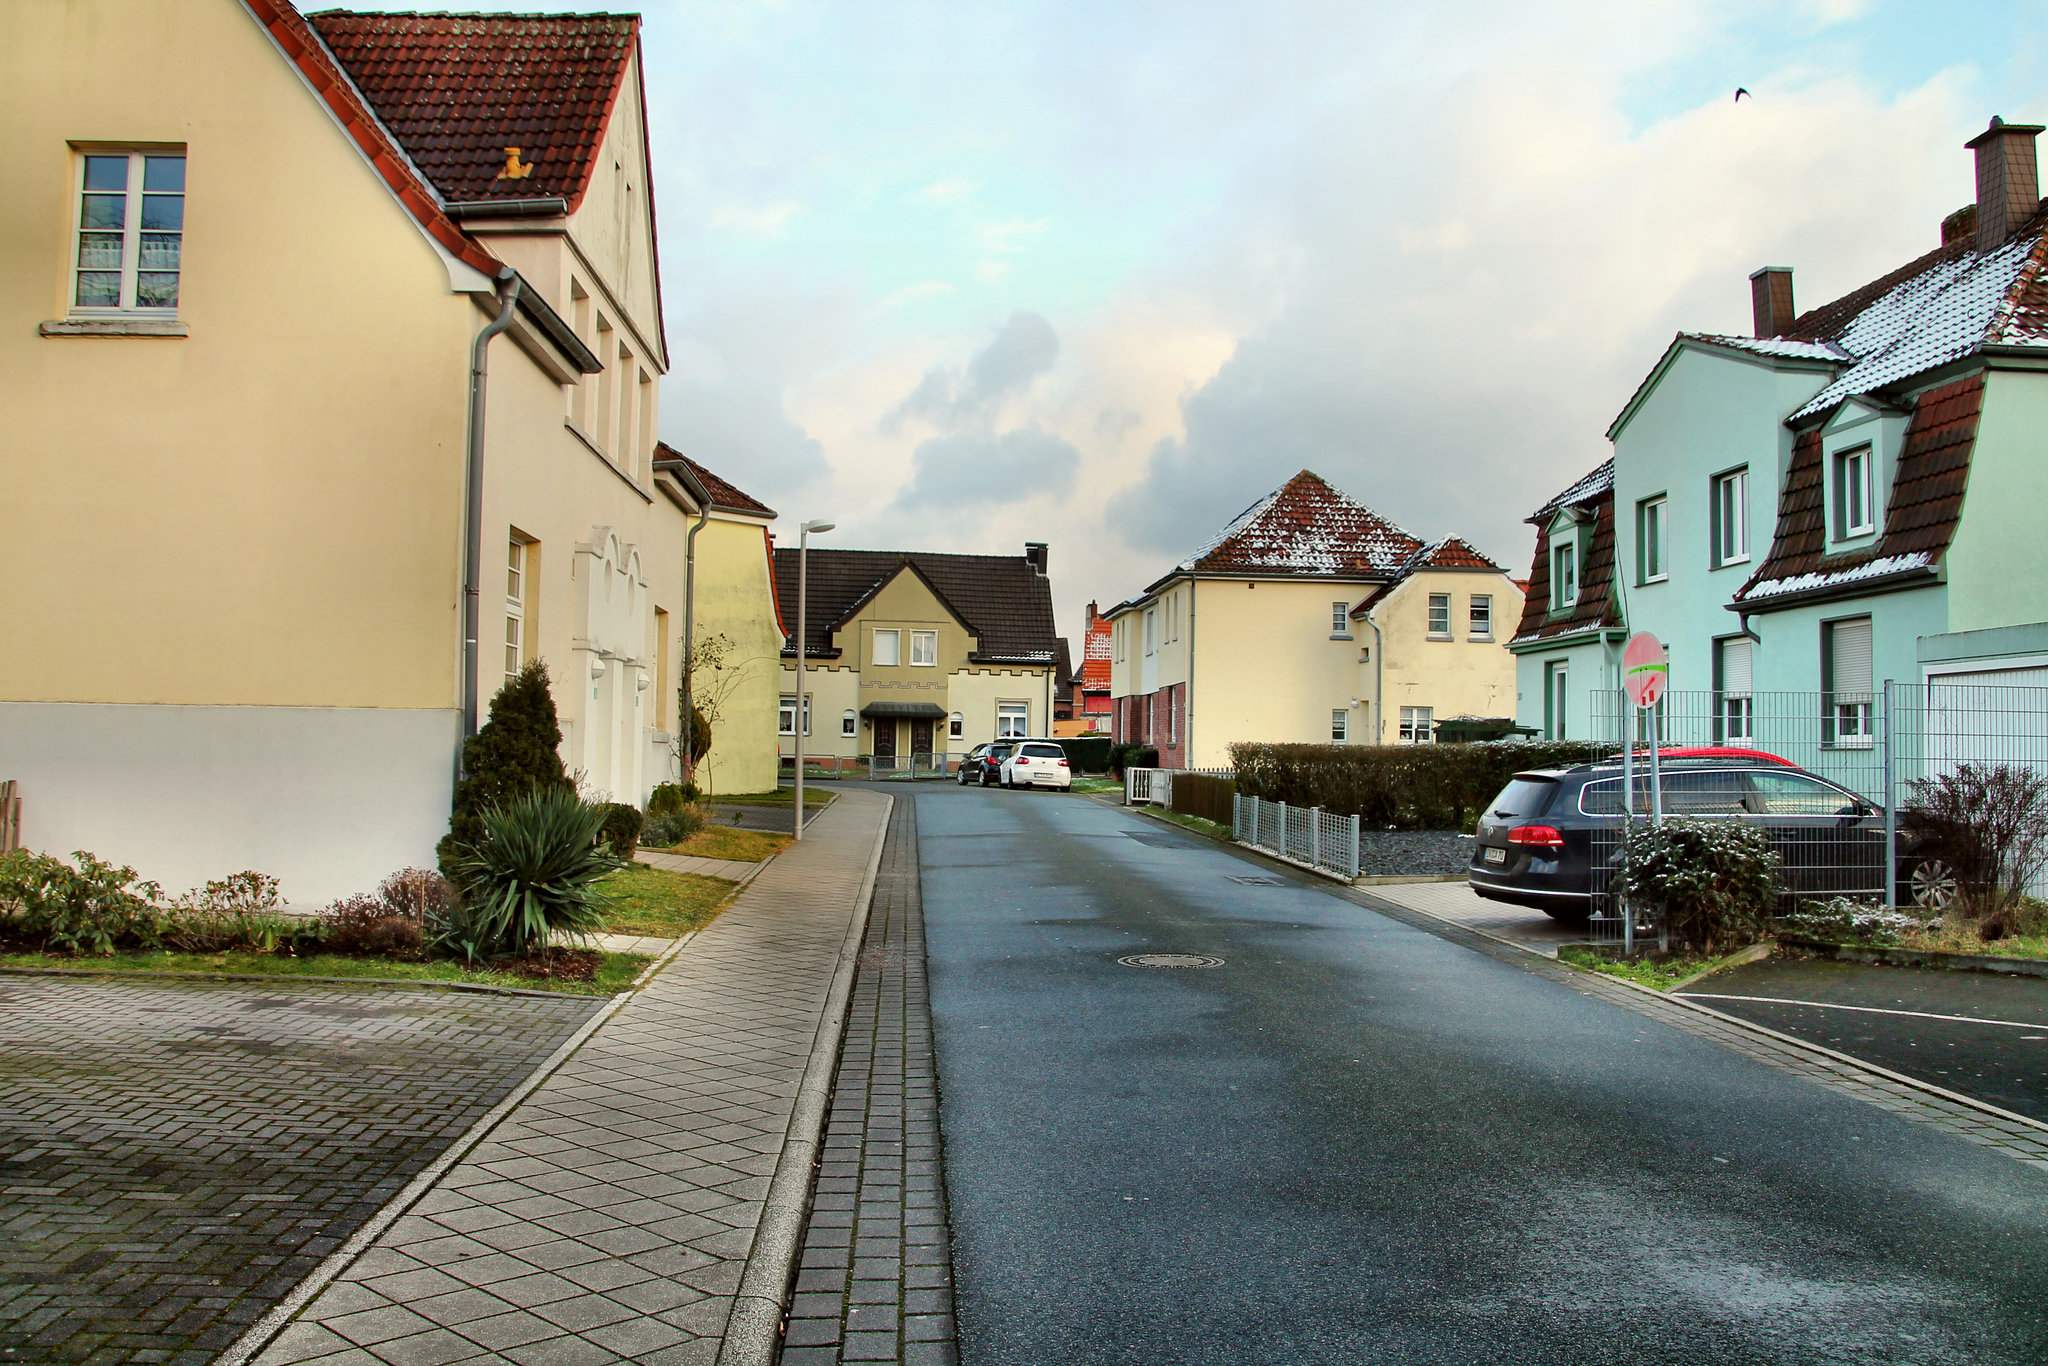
<point x="885" y="737"/>
<point x="921" y="738"/>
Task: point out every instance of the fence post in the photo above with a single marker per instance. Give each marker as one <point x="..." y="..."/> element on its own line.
<point x="1354" y="846"/>
<point x="1280" y="845"/>
<point x="1891" y="804"/>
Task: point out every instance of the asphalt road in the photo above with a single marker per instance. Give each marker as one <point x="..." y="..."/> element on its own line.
<point x="1358" y="1142"/>
<point x="1919" y="1021"/>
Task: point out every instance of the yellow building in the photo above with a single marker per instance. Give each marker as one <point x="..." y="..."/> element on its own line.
<point x="913" y="657"/>
<point x="264" y="450"/>
<point x="1311" y="619"/>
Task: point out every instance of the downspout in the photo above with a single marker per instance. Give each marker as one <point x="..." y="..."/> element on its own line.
<point x="1187" y="708"/>
<point x="687" y="722"/>
<point x="1379" y="680"/>
<point x="473" y="503"/>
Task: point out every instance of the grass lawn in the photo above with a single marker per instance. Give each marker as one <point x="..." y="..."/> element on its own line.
<point x="1097" y="785"/>
<point x="614" y="973"/>
<point x="726" y="842"/>
<point x="1949" y="937"/>
<point x="780" y="797"/>
<point x="1657" y="973"/>
<point x="650" y="901"/>
<point x="1201" y="826"/>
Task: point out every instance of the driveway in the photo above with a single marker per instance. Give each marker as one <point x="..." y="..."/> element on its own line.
<point x="1355" y="1141"/>
<point x="176" y="1155"/>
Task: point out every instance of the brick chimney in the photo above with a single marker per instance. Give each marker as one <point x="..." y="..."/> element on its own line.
<point x="2008" y="180"/>
<point x="1035" y="552"/>
<point x="1770" y="300"/>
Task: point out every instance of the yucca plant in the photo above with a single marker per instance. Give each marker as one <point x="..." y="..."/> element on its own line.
<point x="535" y="872"/>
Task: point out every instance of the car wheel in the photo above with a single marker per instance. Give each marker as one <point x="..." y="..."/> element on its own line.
<point x="1935" y="886"/>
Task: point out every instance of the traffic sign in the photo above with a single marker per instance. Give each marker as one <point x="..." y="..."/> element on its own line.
<point x="1645" y="669"/>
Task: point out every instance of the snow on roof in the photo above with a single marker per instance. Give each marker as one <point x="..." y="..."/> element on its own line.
<point x="1306" y="527"/>
<point x="1869" y="569"/>
<point x="1935" y="316"/>
<point x="1588" y="488"/>
<point x="1788" y="347"/>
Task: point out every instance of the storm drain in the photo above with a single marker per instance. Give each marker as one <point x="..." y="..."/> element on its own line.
<point x="1169" y="960"/>
<point x="1258" y="881"/>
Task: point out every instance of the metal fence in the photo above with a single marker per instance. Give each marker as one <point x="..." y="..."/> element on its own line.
<point x="1881" y="746"/>
<point x="1307" y="835"/>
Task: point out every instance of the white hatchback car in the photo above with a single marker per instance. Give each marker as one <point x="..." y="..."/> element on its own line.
<point x="1037" y="763"/>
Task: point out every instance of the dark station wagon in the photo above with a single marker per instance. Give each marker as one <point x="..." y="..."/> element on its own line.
<point x="1552" y="834"/>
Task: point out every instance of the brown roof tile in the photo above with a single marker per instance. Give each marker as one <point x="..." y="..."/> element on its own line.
<point x="1000" y="598"/>
<point x="1596" y="607"/>
<point x="1308" y="529"/>
<point x="1920" y="520"/>
<point x="457" y="90"/>
<point x="724" y="493"/>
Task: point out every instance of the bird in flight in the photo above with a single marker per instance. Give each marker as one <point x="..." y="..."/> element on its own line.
<point x="1740" y="92"/>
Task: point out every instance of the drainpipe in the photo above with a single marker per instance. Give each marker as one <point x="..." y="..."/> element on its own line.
<point x="1187" y="708"/>
<point x="473" y="505"/>
<point x="688" y="720"/>
<point x="1379" y="680"/>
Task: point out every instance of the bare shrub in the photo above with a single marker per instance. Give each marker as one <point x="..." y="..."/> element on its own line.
<point x="1989" y="824"/>
<point x="368" y="925"/>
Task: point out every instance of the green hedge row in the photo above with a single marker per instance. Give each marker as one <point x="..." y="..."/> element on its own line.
<point x="1122" y="757"/>
<point x="1395" y="787"/>
<point x="1087" y="753"/>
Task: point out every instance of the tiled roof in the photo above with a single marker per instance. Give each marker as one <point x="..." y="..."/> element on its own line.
<point x="1596" y="607"/>
<point x="1920" y="520"/>
<point x="292" y="33"/>
<point x="1451" y="552"/>
<point x="457" y="90"/>
<point x="1095" y="654"/>
<point x="1600" y="481"/>
<point x="1000" y="598"/>
<point x="1063" y="672"/>
<point x="724" y="494"/>
<point x="1308" y="529"/>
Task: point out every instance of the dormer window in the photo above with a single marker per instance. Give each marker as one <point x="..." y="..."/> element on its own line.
<point x="1852" y="493"/>
<point x="1564" y="574"/>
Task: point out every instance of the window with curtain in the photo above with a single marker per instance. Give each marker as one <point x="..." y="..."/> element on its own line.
<point x="131" y="232"/>
<point x="1440" y="614"/>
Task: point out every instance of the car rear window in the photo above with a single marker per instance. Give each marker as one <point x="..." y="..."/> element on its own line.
<point x="1524" y="797"/>
<point x="1043" y="752"/>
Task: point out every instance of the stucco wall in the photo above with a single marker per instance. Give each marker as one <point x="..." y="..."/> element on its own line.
<point x="1462" y="676"/>
<point x="736" y="600"/>
<point x="1265" y="667"/>
<point x="1998" y="563"/>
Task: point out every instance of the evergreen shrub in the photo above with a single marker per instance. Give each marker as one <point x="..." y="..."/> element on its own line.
<point x="1396" y="787"/>
<point x="621" y="830"/>
<point x="1717" y="880"/>
<point x="92" y="908"/>
<point x="1126" y="756"/>
<point x="1087" y="753"/>
<point x="668" y="798"/>
<point x="514" y="754"/>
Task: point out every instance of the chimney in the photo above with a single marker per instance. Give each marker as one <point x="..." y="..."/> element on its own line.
<point x="1035" y="552"/>
<point x="2008" y="180"/>
<point x="1770" y="300"/>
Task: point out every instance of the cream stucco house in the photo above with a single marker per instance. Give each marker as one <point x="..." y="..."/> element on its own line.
<point x="911" y="657"/>
<point x="1311" y="619"/>
<point x="331" y="364"/>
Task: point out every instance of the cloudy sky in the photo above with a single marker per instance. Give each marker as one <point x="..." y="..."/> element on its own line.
<point x="1103" y="272"/>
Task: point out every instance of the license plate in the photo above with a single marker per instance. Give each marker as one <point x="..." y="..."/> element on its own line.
<point x="1496" y="856"/>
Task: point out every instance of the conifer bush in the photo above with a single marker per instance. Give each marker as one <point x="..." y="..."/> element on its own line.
<point x="514" y="754"/>
<point x="534" y="872"/>
<point x="621" y="830"/>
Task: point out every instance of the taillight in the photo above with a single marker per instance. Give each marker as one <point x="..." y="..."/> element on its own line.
<point x="1063" y="763"/>
<point x="1536" y="834"/>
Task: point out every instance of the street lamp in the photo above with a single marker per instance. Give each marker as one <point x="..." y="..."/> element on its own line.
<point x="803" y="548"/>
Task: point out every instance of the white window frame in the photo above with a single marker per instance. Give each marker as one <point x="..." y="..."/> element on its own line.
<point x="1859" y="495"/>
<point x="1340" y="725"/>
<point x="1736" y="705"/>
<point x="895" y="648"/>
<point x="924" y="649"/>
<point x="1418" y="725"/>
<point x="1564" y="570"/>
<point x="1479" y="616"/>
<point x="785" y="716"/>
<point x="956" y="726"/>
<point x="1340" y="621"/>
<point x="515" y="606"/>
<point x="1653" y="533"/>
<point x="1436" y="601"/>
<point x="131" y="234"/>
<point x="1013" y="713"/>
<point x="1850" y="709"/>
<point x="1730" y="504"/>
<point x="849" y="723"/>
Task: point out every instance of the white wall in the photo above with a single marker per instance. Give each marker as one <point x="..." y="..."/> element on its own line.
<point x="328" y="799"/>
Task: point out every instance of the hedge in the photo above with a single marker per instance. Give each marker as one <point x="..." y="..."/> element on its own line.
<point x="1122" y="757"/>
<point x="1396" y="787"/>
<point x="1087" y="753"/>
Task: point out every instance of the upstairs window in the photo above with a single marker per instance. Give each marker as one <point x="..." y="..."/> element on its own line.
<point x="888" y="647"/>
<point x="131" y="231"/>
<point x="515" y="607"/>
<point x="924" y="648"/>
<point x="1340" y="621"/>
<point x="1482" y="616"/>
<point x="1440" y="616"/>
<point x="1650" y="563"/>
<point x="1731" y="517"/>
<point x="1854" y="515"/>
<point x="1564" y="575"/>
<point x="1012" y="720"/>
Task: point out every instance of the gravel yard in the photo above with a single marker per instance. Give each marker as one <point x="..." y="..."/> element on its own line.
<point x="1412" y="853"/>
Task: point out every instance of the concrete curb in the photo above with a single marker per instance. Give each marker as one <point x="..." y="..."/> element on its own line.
<point x="259" y="1334"/>
<point x="753" y="1330"/>
<point x="285" y="979"/>
<point x="1840" y="1060"/>
<point x="1884" y="956"/>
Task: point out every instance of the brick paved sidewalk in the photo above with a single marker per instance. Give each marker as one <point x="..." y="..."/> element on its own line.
<point x="876" y="1277"/>
<point x="609" y="1217"/>
<point x="732" y="870"/>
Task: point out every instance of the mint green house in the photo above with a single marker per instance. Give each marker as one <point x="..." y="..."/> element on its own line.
<point x="1855" y="494"/>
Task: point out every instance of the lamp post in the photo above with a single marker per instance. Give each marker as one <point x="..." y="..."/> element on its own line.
<point x="803" y="550"/>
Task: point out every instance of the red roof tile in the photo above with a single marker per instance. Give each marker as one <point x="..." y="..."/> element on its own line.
<point x="1308" y="529"/>
<point x="1596" y="608"/>
<point x="1452" y="552"/>
<point x="724" y="494"/>
<point x="290" y="30"/>
<point x="457" y="90"/>
<point x="1095" y="653"/>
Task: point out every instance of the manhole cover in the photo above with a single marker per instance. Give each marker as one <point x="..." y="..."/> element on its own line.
<point x="1169" y="960"/>
<point x="1259" y="881"/>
